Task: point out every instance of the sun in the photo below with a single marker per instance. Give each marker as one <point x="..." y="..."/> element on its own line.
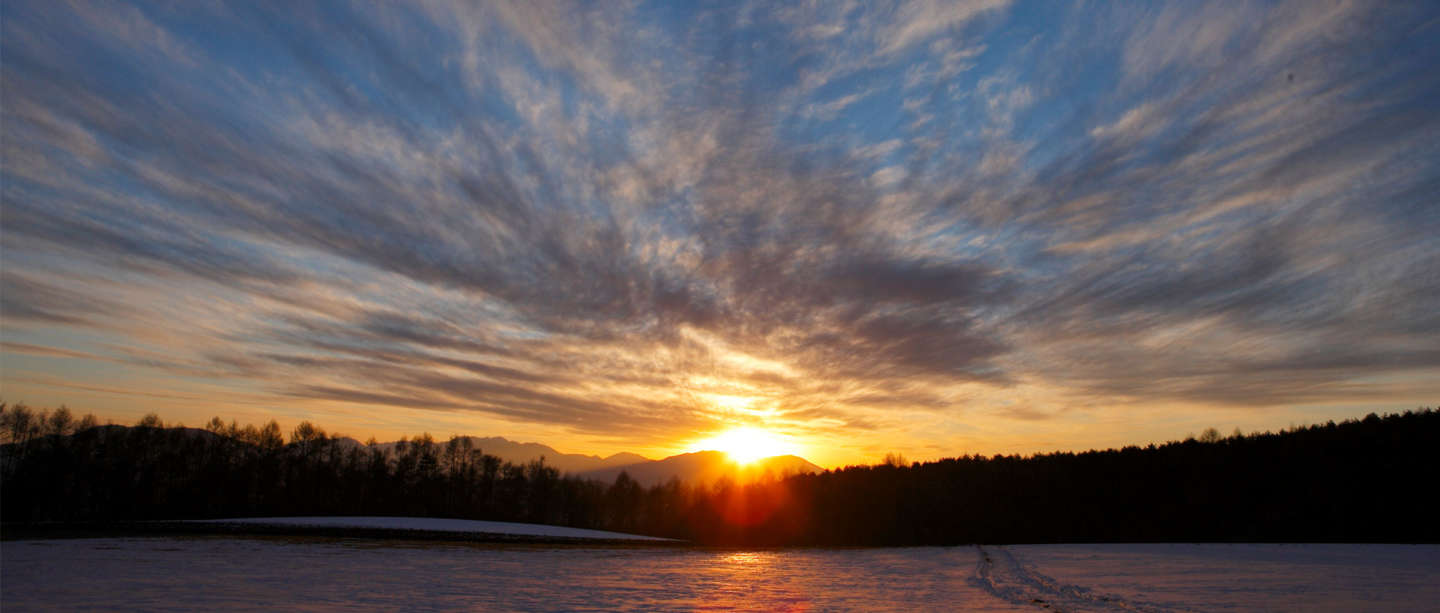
<point x="747" y="444"/>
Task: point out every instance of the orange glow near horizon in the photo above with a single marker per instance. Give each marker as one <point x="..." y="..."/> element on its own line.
<point x="747" y="444"/>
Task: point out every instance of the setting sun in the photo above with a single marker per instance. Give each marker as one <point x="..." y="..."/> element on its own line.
<point x="747" y="444"/>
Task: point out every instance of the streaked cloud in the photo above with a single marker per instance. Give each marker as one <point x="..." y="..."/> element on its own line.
<point x="911" y="221"/>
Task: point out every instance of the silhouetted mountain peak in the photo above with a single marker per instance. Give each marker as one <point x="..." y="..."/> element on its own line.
<point x="703" y="467"/>
<point x="520" y="453"/>
<point x="625" y="457"/>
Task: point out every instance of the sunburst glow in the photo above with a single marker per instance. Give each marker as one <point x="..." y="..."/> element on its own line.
<point x="748" y="444"/>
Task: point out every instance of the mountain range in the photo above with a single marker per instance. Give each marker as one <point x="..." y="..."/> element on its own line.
<point x="695" y="467"/>
<point x="699" y="467"/>
<point x="704" y="467"/>
<point x="521" y="453"/>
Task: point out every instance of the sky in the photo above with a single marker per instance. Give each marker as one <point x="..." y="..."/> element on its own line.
<point x="932" y="228"/>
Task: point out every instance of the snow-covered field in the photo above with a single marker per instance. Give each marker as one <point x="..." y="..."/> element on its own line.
<point x="431" y="524"/>
<point x="1216" y="577"/>
<point x="223" y="573"/>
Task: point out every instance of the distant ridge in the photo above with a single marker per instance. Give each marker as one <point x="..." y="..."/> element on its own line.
<point x="699" y="467"/>
<point x="704" y="467"/>
<point x="521" y="453"/>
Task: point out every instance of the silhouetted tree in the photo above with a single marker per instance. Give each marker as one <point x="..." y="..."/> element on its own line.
<point x="1359" y="480"/>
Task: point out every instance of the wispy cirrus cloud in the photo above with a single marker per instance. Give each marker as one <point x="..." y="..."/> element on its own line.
<point x="591" y="220"/>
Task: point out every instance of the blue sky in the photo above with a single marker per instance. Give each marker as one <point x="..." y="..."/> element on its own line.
<point x="930" y="227"/>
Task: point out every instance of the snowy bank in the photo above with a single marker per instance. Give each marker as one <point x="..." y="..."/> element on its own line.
<point x="433" y="525"/>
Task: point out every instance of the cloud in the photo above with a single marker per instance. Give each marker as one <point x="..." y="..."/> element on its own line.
<point x="53" y="352"/>
<point x="918" y="20"/>
<point x="829" y="110"/>
<point x="1135" y="124"/>
<point x="589" y="218"/>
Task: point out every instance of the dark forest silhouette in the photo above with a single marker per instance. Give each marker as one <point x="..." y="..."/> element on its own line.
<point x="1361" y="480"/>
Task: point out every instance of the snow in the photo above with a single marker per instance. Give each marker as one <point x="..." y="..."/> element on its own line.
<point x="228" y="573"/>
<point x="219" y="574"/>
<point x="432" y="524"/>
<point x="1222" y="576"/>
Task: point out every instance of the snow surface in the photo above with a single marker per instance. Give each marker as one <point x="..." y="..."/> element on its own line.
<point x="1221" y="576"/>
<point x="250" y="574"/>
<point x="431" y="524"/>
<point x="226" y="573"/>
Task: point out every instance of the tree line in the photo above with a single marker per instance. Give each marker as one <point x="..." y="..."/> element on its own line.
<point x="1359" y="480"/>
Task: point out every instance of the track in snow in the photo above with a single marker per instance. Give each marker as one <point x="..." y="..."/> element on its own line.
<point x="998" y="571"/>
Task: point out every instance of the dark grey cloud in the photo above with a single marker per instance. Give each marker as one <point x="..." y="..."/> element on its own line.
<point x="25" y="298"/>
